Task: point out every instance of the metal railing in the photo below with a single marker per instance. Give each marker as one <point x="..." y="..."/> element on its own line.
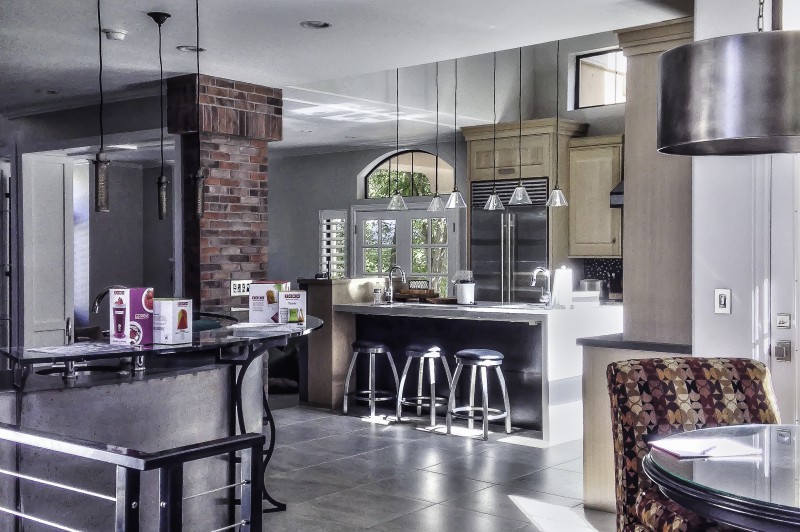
<point x="130" y="463"/>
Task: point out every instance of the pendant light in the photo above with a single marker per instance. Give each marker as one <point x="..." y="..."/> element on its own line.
<point x="557" y="198"/>
<point x="199" y="179"/>
<point x="494" y="203"/>
<point x="456" y="200"/>
<point x="732" y="95"/>
<point x="520" y="195"/>
<point x="437" y="205"/>
<point x="397" y="203"/>
<point x="159" y="18"/>
<point x="101" y="199"/>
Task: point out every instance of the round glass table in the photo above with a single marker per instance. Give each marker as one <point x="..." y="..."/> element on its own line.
<point x="758" y="492"/>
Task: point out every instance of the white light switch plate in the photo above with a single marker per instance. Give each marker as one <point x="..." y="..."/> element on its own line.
<point x="722" y="301"/>
<point x="240" y="288"/>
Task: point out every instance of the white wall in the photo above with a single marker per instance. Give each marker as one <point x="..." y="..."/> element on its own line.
<point x="743" y="236"/>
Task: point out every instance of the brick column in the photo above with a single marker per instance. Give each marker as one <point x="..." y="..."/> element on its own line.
<point x="238" y="120"/>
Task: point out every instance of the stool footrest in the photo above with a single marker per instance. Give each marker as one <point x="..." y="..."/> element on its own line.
<point x="475" y="413"/>
<point x="380" y="395"/>
<point x="418" y="401"/>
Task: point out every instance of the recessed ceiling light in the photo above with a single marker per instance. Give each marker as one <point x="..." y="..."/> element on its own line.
<point x="315" y="24"/>
<point x="190" y="48"/>
<point x="306" y="131"/>
<point x="350" y="137"/>
<point x="114" y="34"/>
<point x="49" y="92"/>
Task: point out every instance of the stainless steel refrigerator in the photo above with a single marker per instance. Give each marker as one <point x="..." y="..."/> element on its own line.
<point x="506" y="246"/>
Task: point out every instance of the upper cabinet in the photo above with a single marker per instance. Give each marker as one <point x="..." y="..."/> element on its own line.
<point x="544" y="151"/>
<point x="595" y="168"/>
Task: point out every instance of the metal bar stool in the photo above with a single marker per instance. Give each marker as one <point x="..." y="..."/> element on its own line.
<point x="372" y="395"/>
<point x="431" y="401"/>
<point x="478" y="359"/>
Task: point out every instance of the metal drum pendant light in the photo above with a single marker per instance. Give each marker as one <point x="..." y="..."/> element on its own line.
<point x="557" y="198"/>
<point x="456" y="200"/>
<point x="199" y="178"/>
<point x="494" y="203"/>
<point x="159" y="18"/>
<point x="101" y="199"/>
<point x="437" y="205"/>
<point x="520" y="195"/>
<point x="397" y="203"/>
<point x="732" y="95"/>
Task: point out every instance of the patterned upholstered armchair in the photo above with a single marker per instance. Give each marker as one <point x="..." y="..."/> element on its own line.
<point x="655" y="397"/>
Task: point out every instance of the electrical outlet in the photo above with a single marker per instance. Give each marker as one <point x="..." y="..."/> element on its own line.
<point x="240" y="288"/>
<point x="722" y="301"/>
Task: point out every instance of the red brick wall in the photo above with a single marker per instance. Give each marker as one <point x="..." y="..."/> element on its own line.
<point x="230" y="241"/>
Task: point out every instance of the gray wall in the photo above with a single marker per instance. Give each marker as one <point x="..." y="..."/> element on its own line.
<point x="115" y="238"/>
<point x="299" y="187"/>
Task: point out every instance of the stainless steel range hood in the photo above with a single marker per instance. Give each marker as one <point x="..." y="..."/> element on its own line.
<point x="617" y="196"/>
<point x="733" y="95"/>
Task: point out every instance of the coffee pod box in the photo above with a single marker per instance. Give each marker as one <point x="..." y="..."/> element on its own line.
<point x="172" y="321"/>
<point x="264" y="300"/>
<point x="131" y="316"/>
<point x="292" y="305"/>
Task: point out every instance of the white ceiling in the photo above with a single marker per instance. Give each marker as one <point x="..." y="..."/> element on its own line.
<point x="53" y="45"/>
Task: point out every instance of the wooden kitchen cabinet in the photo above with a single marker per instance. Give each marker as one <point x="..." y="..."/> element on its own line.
<point x="595" y="168"/>
<point x="541" y="142"/>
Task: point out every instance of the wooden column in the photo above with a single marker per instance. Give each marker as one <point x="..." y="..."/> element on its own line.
<point x="657" y="226"/>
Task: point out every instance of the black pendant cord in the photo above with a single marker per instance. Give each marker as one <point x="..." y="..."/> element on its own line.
<point x="519" y="109"/>
<point x="161" y="96"/>
<point x="558" y="104"/>
<point x="100" y="76"/>
<point x="455" y="128"/>
<point x="397" y="128"/>
<point x="494" y="123"/>
<point x="197" y="60"/>
<point x="436" y="172"/>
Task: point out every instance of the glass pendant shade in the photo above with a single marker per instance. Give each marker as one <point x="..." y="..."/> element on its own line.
<point x="557" y="198"/>
<point x="456" y="201"/>
<point x="520" y="196"/>
<point x="437" y="205"/>
<point x="101" y="197"/>
<point x="494" y="203"/>
<point x="397" y="203"/>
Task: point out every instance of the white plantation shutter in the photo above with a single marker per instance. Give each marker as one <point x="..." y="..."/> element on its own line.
<point x="333" y="242"/>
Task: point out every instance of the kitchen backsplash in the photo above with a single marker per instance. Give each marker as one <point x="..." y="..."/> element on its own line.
<point x="604" y="269"/>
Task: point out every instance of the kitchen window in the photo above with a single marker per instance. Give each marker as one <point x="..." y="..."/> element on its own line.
<point x="600" y="78"/>
<point x="333" y="243"/>
<point x="423" y="244"/>
<point x="413" y="172"/>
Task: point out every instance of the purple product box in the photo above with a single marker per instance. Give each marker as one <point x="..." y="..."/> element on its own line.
<point x="131" y="316"/>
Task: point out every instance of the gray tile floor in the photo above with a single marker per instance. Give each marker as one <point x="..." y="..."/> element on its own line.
<point x="340" y="473"/>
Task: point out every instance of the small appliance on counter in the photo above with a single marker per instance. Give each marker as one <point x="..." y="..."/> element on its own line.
<point x="464" y="287"/>
<point x="594" y="285"/>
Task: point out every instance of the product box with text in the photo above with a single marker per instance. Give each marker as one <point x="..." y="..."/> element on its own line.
<point x="264" y="300"/>
<point x="131" y="316"/>
<point x="172" y="321"/>
<point x="292" y="306"/>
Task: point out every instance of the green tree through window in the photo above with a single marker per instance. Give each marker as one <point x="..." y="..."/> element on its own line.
<point x="381" y="184"/>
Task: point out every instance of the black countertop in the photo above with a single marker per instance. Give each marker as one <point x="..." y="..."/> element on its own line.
<point x="617" y="341"/>
<point x="201" y="342"/>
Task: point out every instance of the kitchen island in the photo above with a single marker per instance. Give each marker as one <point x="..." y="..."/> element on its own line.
<point x="542" y="365"/>
<point x="148" y="398"/>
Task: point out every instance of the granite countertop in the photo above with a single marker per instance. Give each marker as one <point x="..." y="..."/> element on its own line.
<point x="618" y="341"/>
<point x="520" y="312"/>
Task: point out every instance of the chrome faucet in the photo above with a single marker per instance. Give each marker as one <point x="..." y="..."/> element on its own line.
<point x="390" y="288"/>
<point x="102" y="294"/>
<point x="545" y="297"/>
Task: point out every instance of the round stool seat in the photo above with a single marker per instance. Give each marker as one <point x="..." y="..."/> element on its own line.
<point x="419" y="351"/>
<point x="479" y="355"/>
<point x="365" y="346"/>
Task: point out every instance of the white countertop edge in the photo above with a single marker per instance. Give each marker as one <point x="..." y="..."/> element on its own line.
<point x="481" y="310"/>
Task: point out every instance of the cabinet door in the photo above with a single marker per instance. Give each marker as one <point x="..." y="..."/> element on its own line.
<point x="535" y="157"/>
<point x="595" y="229"/>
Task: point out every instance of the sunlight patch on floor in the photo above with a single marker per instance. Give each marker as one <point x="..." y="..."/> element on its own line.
<point x="547" y="517"/>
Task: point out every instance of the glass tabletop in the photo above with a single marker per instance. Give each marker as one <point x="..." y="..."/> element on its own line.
<point x="771" y="476"/>
<point x="202" y="341"/>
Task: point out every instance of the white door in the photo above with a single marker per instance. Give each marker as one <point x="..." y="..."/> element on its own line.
<point x="424" y="244"/>
<point x="47" y="250"/>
